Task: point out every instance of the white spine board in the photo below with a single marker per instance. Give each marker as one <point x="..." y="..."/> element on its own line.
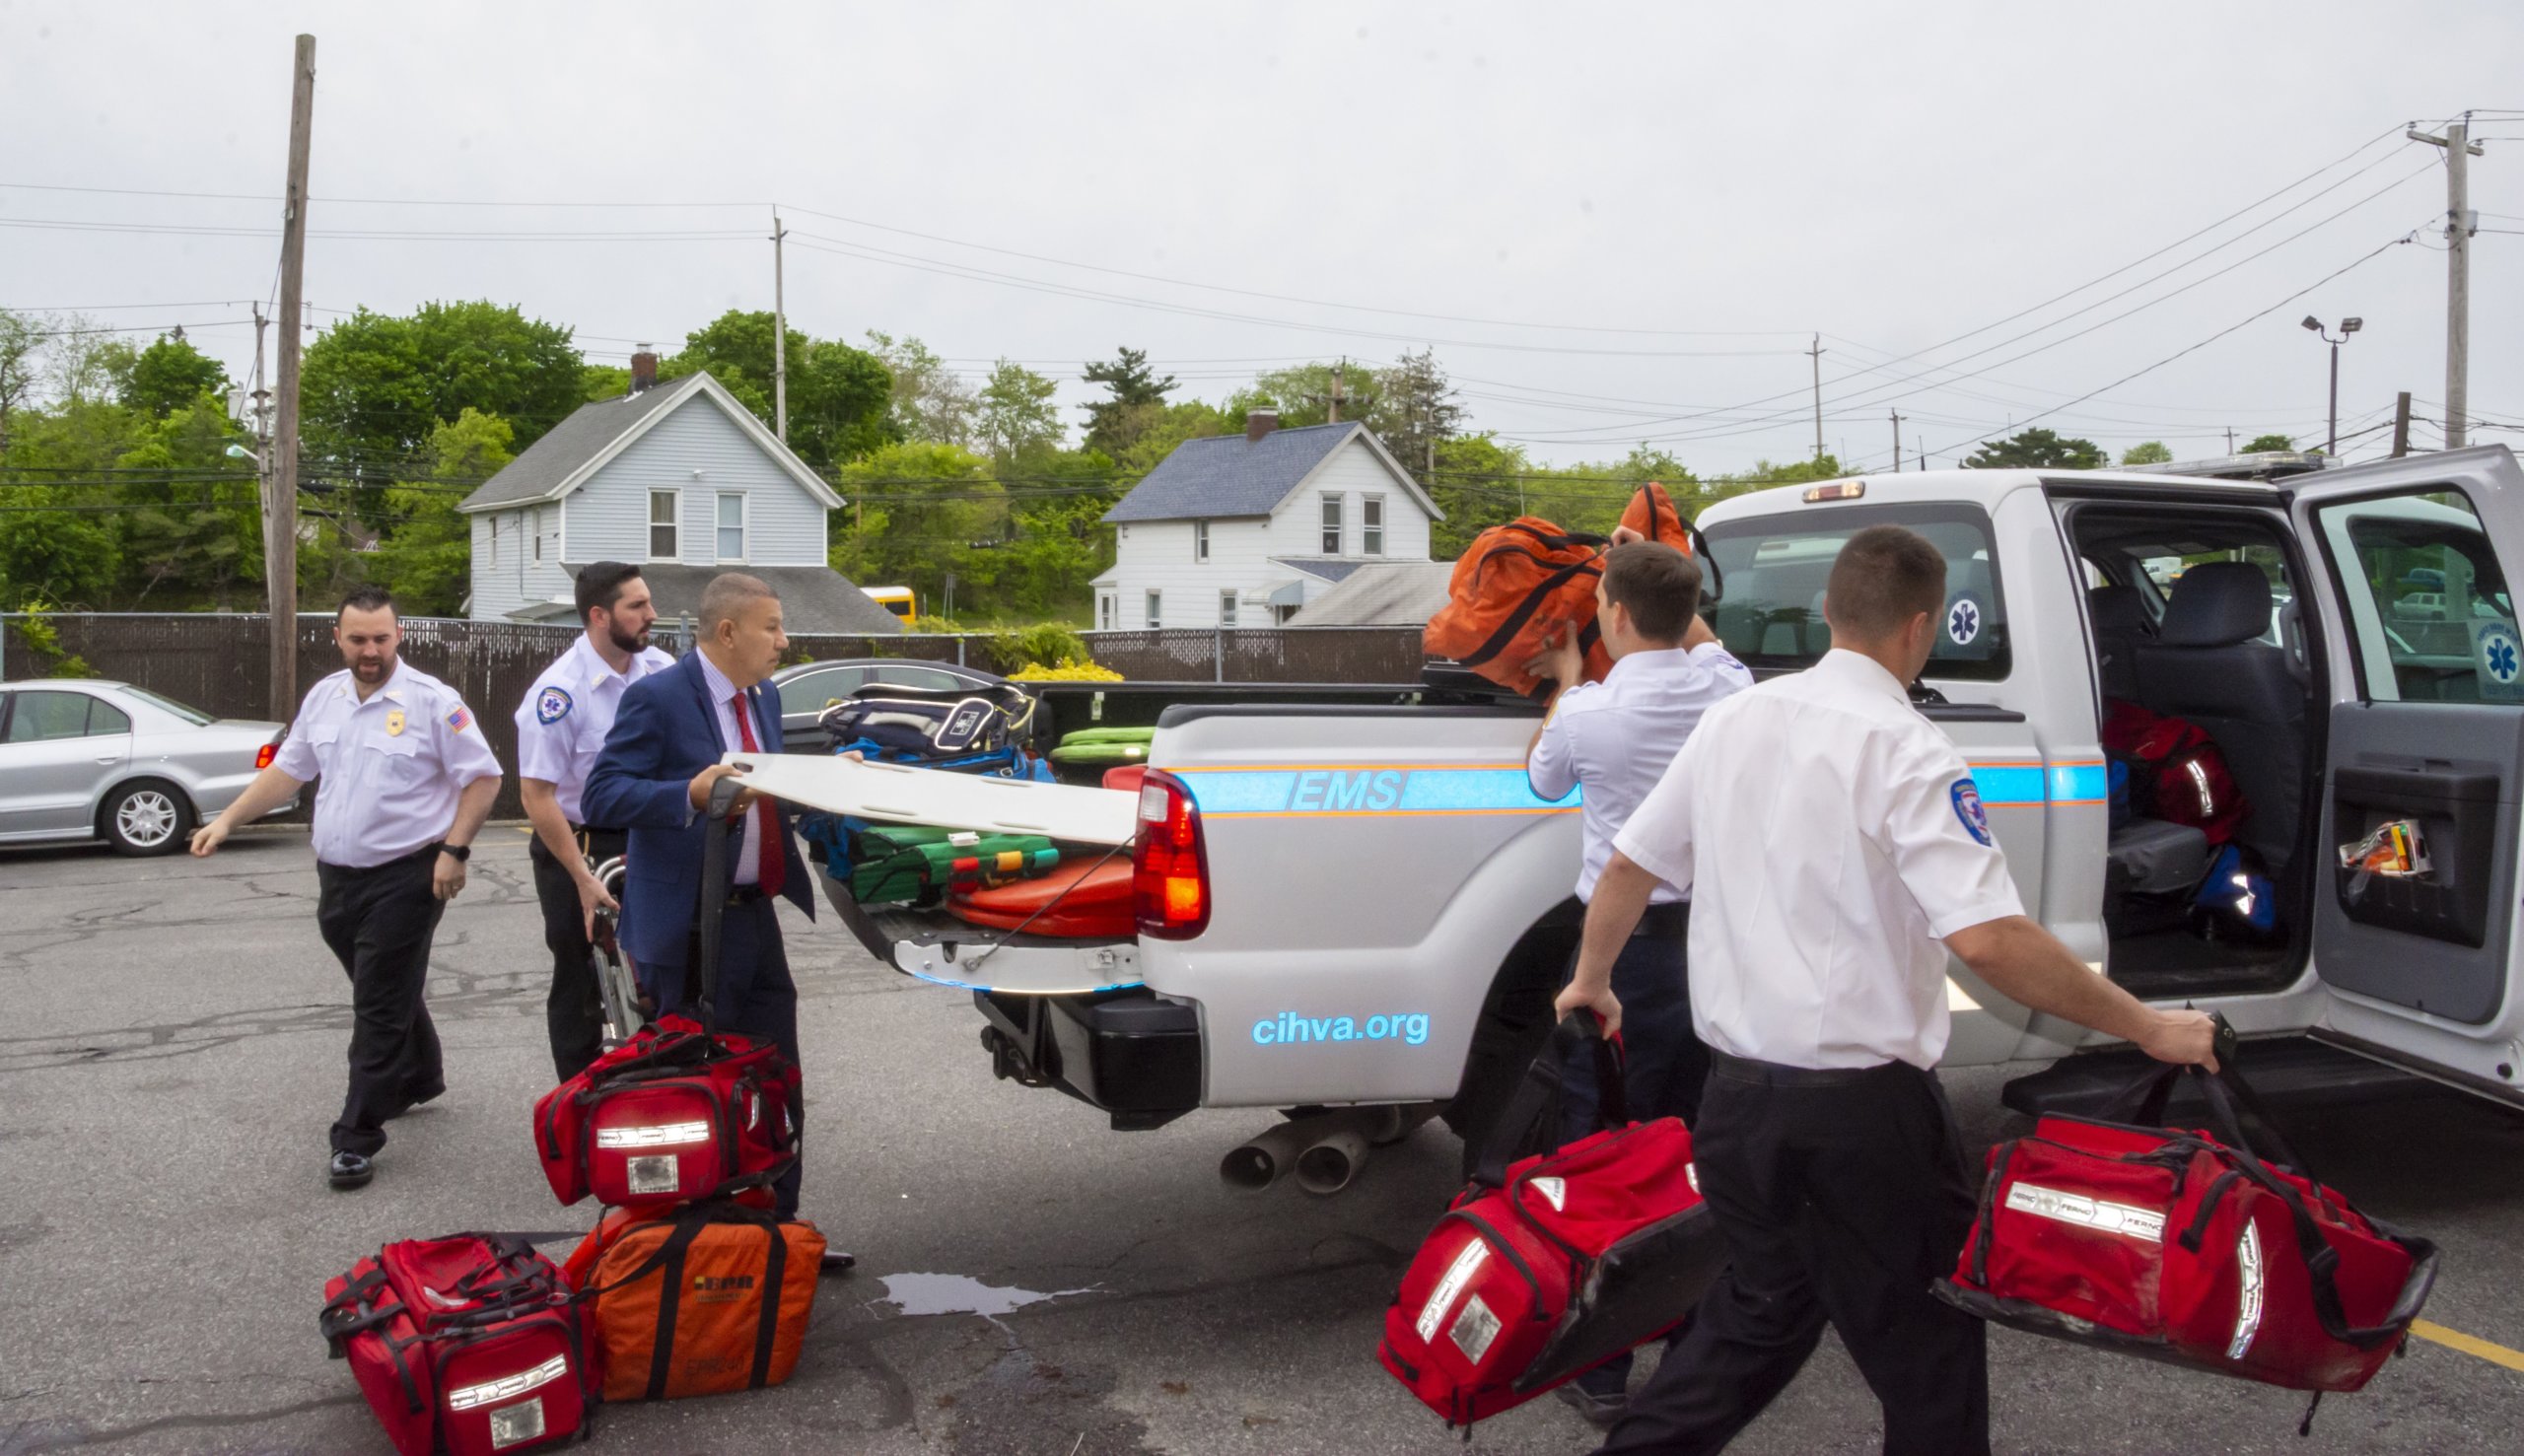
<point x="910" y="796"/>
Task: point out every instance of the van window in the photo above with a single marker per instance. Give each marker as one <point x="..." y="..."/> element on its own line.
<point x="1771" y="571"/>
<point x="2428" y="599"/>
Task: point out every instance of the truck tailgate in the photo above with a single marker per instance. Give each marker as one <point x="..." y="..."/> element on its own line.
<point x="937" y="946"/>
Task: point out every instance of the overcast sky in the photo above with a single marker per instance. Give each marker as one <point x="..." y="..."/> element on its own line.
<point x="1613" y="221"/>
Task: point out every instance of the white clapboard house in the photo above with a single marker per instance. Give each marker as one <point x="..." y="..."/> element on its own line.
<point x="1242" y="530"/>
<point x="677" y="477"/>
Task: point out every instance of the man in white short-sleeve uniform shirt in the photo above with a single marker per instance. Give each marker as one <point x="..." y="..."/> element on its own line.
<point x="1837" y="850"/>
<point x="560" y="727"/>
<point x="407" y="779"/>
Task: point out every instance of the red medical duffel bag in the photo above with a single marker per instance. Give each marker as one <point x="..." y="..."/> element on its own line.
<point x="667" y="1117"/>
<point x="1547" y="1266"/>
<point x="2211" y="1252"/>
<point x="464" y="1345"/>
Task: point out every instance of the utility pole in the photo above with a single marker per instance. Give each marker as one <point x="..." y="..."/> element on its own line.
<point x="1334" y="404"/>
<point x="1897" y="441"/>
<point x="280" y="502"/>
<point x="779" y="333"/>
<point x="2460" y="224"/>
<point x="1817" y="353"/>
<point x="260" y="407"/>
<point x="2401" y="425"/>
<point x="2230" y="440"/>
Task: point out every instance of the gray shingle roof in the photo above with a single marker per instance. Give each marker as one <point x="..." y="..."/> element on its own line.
<point x="573" y="441"/>
<point x="1381" y="593"/>
<point x="812" y="599"/>
<point x="1229" y="475"/>
<point x="1322" y="568"/>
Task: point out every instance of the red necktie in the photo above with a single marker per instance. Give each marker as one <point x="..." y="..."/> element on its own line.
<point x="771" y="871"/>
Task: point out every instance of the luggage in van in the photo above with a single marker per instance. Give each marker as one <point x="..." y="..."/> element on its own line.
<point x="2214" y="1250"/>
<point x="1518" y="581"/>
<point x="1089" y="897"/>
<point x="711" y="1297"/>
<point x="1551" y="1264"/>
<point x="466" y="1346"/>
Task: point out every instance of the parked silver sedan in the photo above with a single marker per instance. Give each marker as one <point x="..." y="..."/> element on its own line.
<point x="82" y="759"/>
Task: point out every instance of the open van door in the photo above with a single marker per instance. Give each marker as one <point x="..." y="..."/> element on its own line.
<point x="2425" y="727"/>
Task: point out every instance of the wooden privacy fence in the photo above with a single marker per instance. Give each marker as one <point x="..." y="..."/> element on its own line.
<point x="218" y="663"/>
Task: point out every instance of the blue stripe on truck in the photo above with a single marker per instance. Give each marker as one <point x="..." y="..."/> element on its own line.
<point x="1361" y="790"/>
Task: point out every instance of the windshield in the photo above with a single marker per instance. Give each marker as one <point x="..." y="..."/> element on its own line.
<point x="164" y="703"/>
<point x="1772" y="570"/>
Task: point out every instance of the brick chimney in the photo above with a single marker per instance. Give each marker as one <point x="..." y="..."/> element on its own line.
<point x="1258" y="423"/>
<point x="643" y="370"/>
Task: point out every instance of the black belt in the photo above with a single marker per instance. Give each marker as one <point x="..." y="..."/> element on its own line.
<point x="1667" y="921"/>
<point x="1773" y="1074"/>
<point x="425" y="851"/>
<point x="745" y="894"/>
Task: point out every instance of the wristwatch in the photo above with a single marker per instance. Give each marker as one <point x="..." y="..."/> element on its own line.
<point x="461" y="851"/>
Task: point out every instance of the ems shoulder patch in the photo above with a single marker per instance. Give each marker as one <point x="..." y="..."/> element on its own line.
<point x="551" y="706"/>
<point x="1967" y="808"/>
<point x="460" y="720"/>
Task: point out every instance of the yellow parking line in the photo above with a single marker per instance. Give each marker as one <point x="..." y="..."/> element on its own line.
<point x="2470" y="1345"/>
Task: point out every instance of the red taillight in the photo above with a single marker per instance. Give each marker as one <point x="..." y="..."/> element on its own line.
<point x="1169" y="875"/>
<point x="264" y="755"/>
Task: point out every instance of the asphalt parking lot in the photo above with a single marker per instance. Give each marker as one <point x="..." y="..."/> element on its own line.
<point x="174" y="1053"/>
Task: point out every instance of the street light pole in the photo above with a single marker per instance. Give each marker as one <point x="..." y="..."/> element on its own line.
<point x="2347" y="326"/>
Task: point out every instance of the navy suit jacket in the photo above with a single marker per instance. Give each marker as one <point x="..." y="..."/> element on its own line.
<point x="666" y="732"/>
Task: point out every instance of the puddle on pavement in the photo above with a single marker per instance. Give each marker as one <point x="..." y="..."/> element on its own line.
<point x="959" y="1293"/>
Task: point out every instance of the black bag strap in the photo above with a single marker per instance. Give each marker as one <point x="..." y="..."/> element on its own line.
<point x="687" y="1227"/>
<point x="1529" y="1123"/>
<point x="1712" y="582"/>
<point x="766" y="1330"/>
<point x="714" y="891"/>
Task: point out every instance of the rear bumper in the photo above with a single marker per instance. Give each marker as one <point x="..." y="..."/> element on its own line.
<point x="1127" y="1051"/>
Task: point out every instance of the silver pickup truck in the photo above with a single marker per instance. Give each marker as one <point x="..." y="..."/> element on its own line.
<point x="1363" y="903"/>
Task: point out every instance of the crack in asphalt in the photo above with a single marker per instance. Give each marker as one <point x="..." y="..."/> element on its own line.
<point x="35" y="1438"/>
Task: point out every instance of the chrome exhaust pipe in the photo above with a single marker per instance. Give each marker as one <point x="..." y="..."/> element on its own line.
<point x="1328" y="1166"/>
<point x="1266" y="1160"/>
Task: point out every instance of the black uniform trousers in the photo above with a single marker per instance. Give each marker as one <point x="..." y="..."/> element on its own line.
<point x="574" y="1010"/>
<point x="1663" y="1063"/>
<point x="378" y="923"/>
<point x="1843" y="1196"/>
<point x="754" y="996"/>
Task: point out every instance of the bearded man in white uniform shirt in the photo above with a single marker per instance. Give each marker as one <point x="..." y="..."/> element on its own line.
<point x="407" y="781"/>
<point x="560" y="729"/>
<point x="1836" y="852"/>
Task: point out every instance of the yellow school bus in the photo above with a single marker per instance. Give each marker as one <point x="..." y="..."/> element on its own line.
<point x="896" y="599"/>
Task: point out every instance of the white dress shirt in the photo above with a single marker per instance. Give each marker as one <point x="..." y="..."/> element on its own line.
<point x="1614" y="738"/>
<point x="1835" y="838"/>
<point x="562" y="723"/>
<point x="392" y="767"/>
<point x="723" y="695"/>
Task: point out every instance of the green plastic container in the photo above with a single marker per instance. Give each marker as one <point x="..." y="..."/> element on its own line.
<point x="903" y="862"/>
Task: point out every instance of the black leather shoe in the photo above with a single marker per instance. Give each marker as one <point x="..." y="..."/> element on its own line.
<point x="351" y="1169"/>
<point x="836" y="1262"/>
<point x="1601" y="1410"/>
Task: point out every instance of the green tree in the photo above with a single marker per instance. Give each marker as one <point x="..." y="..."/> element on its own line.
<point x="427" y="559"/>
<point x="2037" y="448"/>
<point x="2152" y="452"/>
<point x="1165" y="426"/>
<point x="188" y="538"/>
<point x="376" y="386"/>
<point x="1415" y="408"/>
<point x="2261" y="442"/>
<point x="839" y="396"/>
<point x="60" y="542"/>
<point x="929" y="402"/>
<point x="601" y="381"/>
<point x="1130" y="385"/>
<point x="1303" y="393"/>
<point x="1017" y="422"/>
<point x="171" y="375"/>
<point x="21" y="366"/>
<point x="930" y="510"/>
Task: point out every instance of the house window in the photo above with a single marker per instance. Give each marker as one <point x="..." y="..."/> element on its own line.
<point x="732" y="526"/>
<point x="1155" y="609"/>
<point x="495" y="540"/>
<point x="665" y="506"/>
<point x="1226" y="608"/>
<point x="1199" y="540"/>
<point x="1108" y="610"/>
<point x="538" y="534"/>
<point x="1331" y="525"/>
<point x="1371" y="526"/>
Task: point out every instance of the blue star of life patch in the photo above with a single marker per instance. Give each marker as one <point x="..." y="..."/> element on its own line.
<point x="551" y="706"/>
<point x="1967" y="808"/>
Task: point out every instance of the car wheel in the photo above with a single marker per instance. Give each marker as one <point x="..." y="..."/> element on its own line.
<point x="146" y="818"/>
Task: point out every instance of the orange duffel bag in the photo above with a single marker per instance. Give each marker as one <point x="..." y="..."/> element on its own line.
<point x="711" y="1297"/>
<point x="1517" y="582"/>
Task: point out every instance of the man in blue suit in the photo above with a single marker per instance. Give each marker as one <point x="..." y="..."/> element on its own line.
<point x="654" y="777"/>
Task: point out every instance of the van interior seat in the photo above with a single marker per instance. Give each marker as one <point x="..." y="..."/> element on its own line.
<point x="2209" y="666"/>
<point x="2120" y="625"/>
